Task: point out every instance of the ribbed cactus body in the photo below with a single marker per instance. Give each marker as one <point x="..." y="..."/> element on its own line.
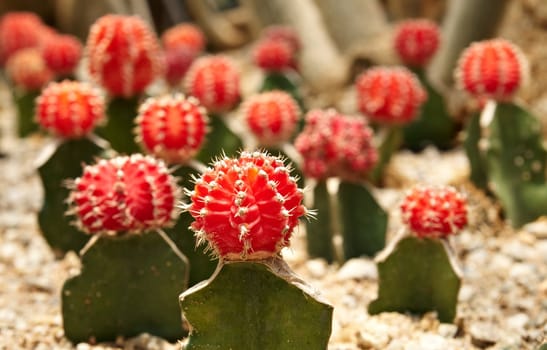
<point x="19" y="30"/>
<point x="416" y="41"/>
<point x="62" y="53"/>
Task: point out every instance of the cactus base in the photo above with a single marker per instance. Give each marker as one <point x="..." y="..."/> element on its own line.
<point x="25" y="102"/>
<point x="118" y="130"/>
<point x="319" y="230"/>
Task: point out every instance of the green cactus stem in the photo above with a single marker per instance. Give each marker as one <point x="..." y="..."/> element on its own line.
<point x="202" y="265"/>
<point x="391" y="142"/>
<point x="220" y="141"/>
<point x="362" y="220"/>
<point x="255" y="305"/>
<point x="543" y="346"/>
<point x="417" y="275"/>
<point x="121" y="113"/>
<point x="281" y="81"/>
<point x="319" y="229"/>
<point x="64" y="163"/>
<point x="433" y="125"/>
<point x="476" y="158"/>
<point x="127" y="285"/>
<point x="516" y="162"/>
<point x="25" y="102"/>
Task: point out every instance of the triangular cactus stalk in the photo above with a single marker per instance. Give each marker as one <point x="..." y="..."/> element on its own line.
<point x="24" y="103"/>
<point x="433" y="125"/>
<point x="64" y="163"/>
<point x="319" y="231"/>
<point x="127" y="285"/>
<point x="516" y="162"/>
<point x="221" y="140"/>
<point x="391" y="142"/>
<point x="362" y="220"/>
<point x="417" y="275"/>
<point x="120" y="123"/>
<point x="267" y="306"/>
<point x="476" y="157"/>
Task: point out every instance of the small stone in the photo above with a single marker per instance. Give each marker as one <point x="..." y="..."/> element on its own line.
<point x="430" y="342"/>
<point x="466" y="293"/>
<point x="317" y="267"/>
<point x="517" y="322"/>
<point x="483" y="334"/>
<point x="538" y="228"/>
<point x="518" y="251"/>
<point x="359" y="268"/>
<point x="447" y="330"/>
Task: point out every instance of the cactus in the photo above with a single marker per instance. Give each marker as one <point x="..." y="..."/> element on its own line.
<point x="336" y="145"/>
<point x="319" y="231"/>
<point x="124" y="58"/>
<point x="477" y="163"/>
<point x="62" y="53"/>
<point x="417" y="273"/>
<point x="391" y="97"/>
<point x="177" y="62"/>
<point x="130" y="275"/>
<point x="70" y="111"/>
<point x="19" y="30"/>
<point x="185" y="35"/>
<point x="29" y="73"/>
<point x="245" y="210"/>
<point x="214" y="81"/>
<point x="266" y="305"/>
<point x="507" y="142"/>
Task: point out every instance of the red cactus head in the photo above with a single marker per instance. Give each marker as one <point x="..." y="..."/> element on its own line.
<point x="69" y="109"/>
<point x="214" y="81"/>
<point x="416" y="41"/>
<point x="184" y="35"/>
<point x="283" y="33"/>
<point x="124" y="54"/>
<point x="434" y="212"/>
<point x="28" y="70"/>
<point x="124" y="194"/>
<point x="177" y="62"/>
<point x="273" y="55"/>
<point x="18" y="30"/>
<point x="271" y="116"/>
<point x="246" y="208"/>
<point x="62" y="53"/>
<point x="333" y="144"/>
<point x="493" y="69"/>
<point x="389" y="95"/>
<point x="172" y="127"/>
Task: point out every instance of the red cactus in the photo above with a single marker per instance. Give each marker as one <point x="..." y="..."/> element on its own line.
<point x="283" y="33"/>
<point x="177" y="62"/>
<point x="434" y="212"/>
<point x="273" y="55"/>
<point x="27" y="69"/>
<point x="62" y="53"/>
<point x="416" y="41"/>
<point x="333" y="144"/>
<point x="69" y="109"/>
<point x="271" y="116"/>
<point x="184" y="35"/>
<point x="172" y="127"/>
<point x="18" y="30"/>
<point x="124" y="194"/>
<point x="389" y="95"/>
<point x="493" y="69"/>
<point x="214" y="80"/>
<point x="246" y="208"/>
<point x="124" y="54"/>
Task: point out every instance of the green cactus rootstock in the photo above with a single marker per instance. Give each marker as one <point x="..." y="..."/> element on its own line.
<point x="220" y="141"/>
<point x="433" y="125"/>
<point x="280" y="81"/>
<point x="127" y="285"/>
<point x="363" y="221"/>
<point x="417" y="276"/>
<point x="390" y="144"/>
<point x="118" y="130"/>
<point x="25" y="102"/>
<point x="319" y="229"/>
<point x="476" y="158"/>
<point x="255" y="305"/>
<point x="65" y="163"/>
<point x="516" y="162"/>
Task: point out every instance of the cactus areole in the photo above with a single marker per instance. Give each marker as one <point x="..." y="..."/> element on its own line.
<point x="434" y="212"/>
<point x="333" y="144"/>
<point x="246" y="208"/>
<point x="214" y="81"/>
<point x="390" y="96"/>
<point x="124" y="194"/>
<point x="70" y="109"/>
<point x="493" y="69"/>
<point x="124" y="54"/>
<point x="272" y="117"/>
<point x="416" y="41"/>
<point x="172" y="128"/>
